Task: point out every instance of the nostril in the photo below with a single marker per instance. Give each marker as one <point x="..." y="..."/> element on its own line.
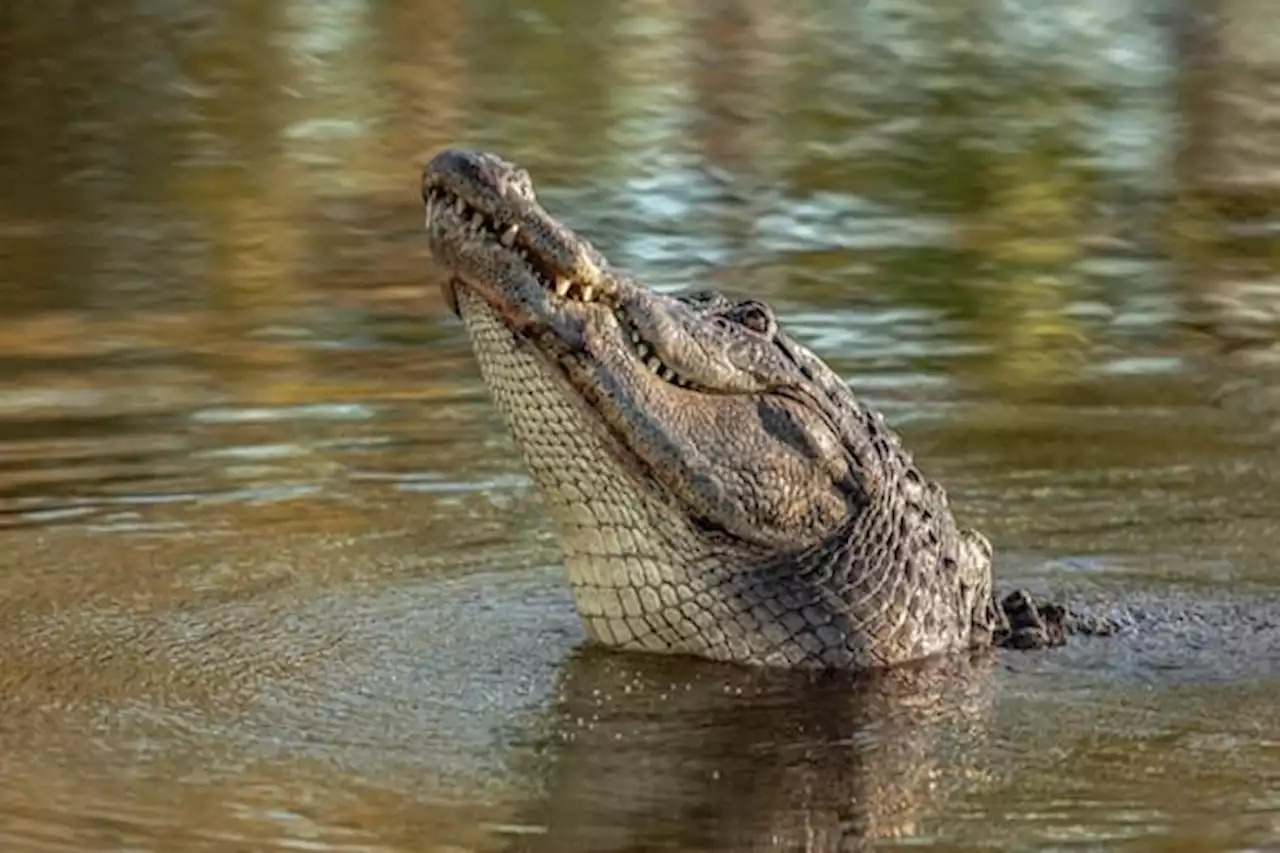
<point x="522" y="184"/>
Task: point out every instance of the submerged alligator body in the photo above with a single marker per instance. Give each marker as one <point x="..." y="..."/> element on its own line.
<point x="717" y="490"/>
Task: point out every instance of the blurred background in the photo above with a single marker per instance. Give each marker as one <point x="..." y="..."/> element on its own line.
<point x="266" y="546"/>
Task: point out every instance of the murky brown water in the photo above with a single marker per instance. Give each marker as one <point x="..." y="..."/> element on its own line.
<point x="273" y="577"/>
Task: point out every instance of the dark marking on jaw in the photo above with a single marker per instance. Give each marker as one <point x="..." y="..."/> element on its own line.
<point x="781" y="424"/>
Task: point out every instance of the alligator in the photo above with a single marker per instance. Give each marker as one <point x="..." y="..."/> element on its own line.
<point x="717" y="490"/>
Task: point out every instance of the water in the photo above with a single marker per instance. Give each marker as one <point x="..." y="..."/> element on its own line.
<point x="273" y="577"/>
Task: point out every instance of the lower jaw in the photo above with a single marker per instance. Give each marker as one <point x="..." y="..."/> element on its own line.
<point x="581" y="467"/>
<point x="543" y="413"/>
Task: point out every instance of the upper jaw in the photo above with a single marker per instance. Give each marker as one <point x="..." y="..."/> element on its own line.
<point x="478" y="205"/>
<point x="486" y="227"/>
<point x="502" y="258"/>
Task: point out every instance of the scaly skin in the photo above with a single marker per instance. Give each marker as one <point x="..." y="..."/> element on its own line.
<point x="717" y="490"/>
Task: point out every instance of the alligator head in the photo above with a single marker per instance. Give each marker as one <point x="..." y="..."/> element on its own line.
<point x="716" y="488"/>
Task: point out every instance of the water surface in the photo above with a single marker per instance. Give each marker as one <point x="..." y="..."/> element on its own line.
<point x="273" y="576"/>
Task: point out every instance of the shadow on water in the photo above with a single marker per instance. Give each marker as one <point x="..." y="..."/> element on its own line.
<point x="271" y="575"/>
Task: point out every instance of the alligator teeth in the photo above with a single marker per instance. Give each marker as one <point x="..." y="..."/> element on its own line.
<point x="477" y="220"/>
<point x="508" y="237"/>
<point x="459" y="207"/>
<point x="587" y="293"/>
<point x="562" y="286"/>
<point x="650" y="359"/>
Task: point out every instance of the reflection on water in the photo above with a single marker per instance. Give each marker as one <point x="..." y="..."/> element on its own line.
<point x="274" y="577"/>
<point x="747" y="760"/>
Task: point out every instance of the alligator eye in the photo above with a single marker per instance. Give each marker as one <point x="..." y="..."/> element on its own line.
<point x="756" y="321"/>
<point x="756" y="317"/>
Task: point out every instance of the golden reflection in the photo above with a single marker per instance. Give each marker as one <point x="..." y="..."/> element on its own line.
<point x="1223" y="235"/>
<point x="1030" y="238"/>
